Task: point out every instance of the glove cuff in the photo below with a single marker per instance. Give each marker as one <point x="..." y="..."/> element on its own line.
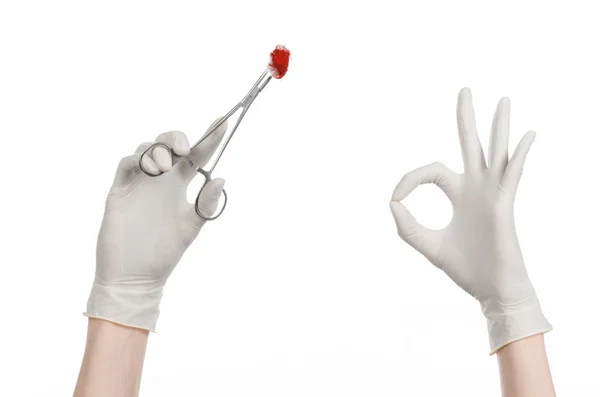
<point x="130" y="308"/>
<point x="505" y="328"/>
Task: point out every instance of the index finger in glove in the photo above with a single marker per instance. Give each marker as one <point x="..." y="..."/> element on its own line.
<point x="436" y="173"/>
<point x="201" y="154"/>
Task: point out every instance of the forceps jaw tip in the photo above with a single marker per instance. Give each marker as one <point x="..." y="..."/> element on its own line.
<point x="260" y="84"/>
<point x="250" y="97"/>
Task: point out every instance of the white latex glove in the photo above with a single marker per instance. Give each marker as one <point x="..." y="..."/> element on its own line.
<point x="479" y="249"/>
<point x="148" y="224"/>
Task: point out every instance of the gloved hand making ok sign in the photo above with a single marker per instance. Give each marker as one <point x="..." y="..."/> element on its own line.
<point x="479" y="249"/>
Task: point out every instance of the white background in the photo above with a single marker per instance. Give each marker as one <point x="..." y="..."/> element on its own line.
<point x="302" y="288"/>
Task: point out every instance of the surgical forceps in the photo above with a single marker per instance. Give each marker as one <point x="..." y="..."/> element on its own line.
<point x="244" y="104"/>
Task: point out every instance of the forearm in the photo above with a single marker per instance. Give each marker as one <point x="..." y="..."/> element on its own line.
<point x="524" y="369"/>
<point x="113" y="360"/>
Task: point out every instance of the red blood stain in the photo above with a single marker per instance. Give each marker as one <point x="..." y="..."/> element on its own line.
<point x="280" y="59"/>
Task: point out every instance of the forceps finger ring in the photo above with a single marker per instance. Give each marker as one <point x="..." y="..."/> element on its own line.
<point x="176" y="158"/>
<point x="207" y="178"/>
